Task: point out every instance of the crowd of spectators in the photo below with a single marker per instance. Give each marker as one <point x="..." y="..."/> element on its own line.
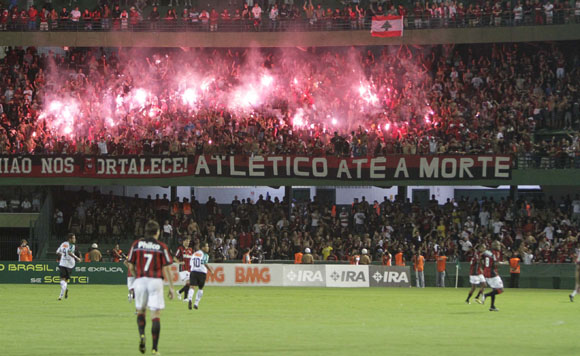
<point x="21" y="200"/>
<point x="466" y="99"/>
<point x="539" y="229"/>
<point x="282" y="15"/>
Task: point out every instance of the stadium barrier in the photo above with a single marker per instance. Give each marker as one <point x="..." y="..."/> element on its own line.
<point x="279" y="275"/>
<point x="48" y="273"/>
<point x="548" y="276"/>
<point x="544" y="275"/>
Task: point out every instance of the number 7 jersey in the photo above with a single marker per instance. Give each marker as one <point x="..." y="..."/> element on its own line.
<point x="198" y="261"/>
<point x="149" y="257"/>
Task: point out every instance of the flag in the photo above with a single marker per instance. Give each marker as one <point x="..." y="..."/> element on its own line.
<point x="387" y="26"/>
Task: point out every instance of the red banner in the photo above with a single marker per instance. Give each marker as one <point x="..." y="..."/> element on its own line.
<point x="396" y="167"/>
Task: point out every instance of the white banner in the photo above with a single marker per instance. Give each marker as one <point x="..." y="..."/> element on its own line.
<point x="304" y="276"/>
<point x="347" y="276"/>
<point x="278" y="275"/>
<point x="228" y="274"/>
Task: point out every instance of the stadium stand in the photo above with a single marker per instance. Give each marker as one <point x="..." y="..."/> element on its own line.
<point x="141" y="15"/>
<point x="462" y="99"/>
<point x="540" y="229"/>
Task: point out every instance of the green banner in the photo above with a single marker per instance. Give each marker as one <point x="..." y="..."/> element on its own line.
<point x="48" y="273"/>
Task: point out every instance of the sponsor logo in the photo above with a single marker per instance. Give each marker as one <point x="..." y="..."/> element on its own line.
<point x="252" y="275"/>
<point x="348" y="276"/>
<point x="148" y="245"/>
<point x="174" y="272"/>
<point x="56" y="280"/>
<point x="218" y="275"/>
<point x="305" y="276"/>
<point x="391" y="277"/>
<point x="105" y="269"/>
<point x="27" y="267"/>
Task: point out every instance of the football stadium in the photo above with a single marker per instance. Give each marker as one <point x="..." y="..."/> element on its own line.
<point x="283" y="177"/>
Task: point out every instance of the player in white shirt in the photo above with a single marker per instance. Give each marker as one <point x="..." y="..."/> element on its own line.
<point x="67" y="260"/>
<point x="577" y="289"/>
<point x="199" y="268"/>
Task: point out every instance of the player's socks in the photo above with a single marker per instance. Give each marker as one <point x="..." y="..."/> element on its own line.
<point x="469" y="296"/>
<point x="184" y="290"/>
<point x="190" y="298"/>
<point x="492" y="294"/>
<point x="574" y="292"/>
<point x="63" y="286"/>
<point x="155" y="330"/>
<point x="198" y="298"/>
<point x="141" y="323"/>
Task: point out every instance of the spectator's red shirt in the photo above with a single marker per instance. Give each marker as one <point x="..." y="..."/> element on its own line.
<point x="133" y="17"/>
<point x="32" y="13"/>
<point x="214" y="17"/>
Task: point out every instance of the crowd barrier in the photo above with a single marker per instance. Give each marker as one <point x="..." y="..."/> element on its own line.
<point x="225" y="274"/>
<point x="301" y="24"/>
<point x="48" y="273"/>
<point x="280" y="275"/>
<point x="548" y="276"/>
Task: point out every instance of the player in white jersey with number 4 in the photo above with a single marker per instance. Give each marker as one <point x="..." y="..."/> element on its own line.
<point x="199" y="268"/>
<point x="66" y="263"/>
<point x="577" y="289"/>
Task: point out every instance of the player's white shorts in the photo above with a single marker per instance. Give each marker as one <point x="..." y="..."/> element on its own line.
<point x="149" y="293"/>
<point x="495" y="282"/>
<point x="130" y="281"/>
<point x="477" y="279"/>
<point x="184" y="276"/>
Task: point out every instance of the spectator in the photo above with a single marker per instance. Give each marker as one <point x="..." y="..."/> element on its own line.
<point x="419" y="267"/>
<point x="307" y="257"/>
<point x="117" y="254"/>
<point x="26" y="205"/>
<point x="95" y="254"/>
<point x="14" y="205"/>
<point x="441" y="264"/>
<point x="365" y="259"/>
<point x="257" y="16"/>
<point x="24" y="252"/>
<point x="3" y="204"/>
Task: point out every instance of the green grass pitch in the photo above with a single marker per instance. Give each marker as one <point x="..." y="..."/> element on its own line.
<point x="98" y="320"/>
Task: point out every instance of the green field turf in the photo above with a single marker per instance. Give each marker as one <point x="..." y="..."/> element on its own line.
<point x="98" y="320"/>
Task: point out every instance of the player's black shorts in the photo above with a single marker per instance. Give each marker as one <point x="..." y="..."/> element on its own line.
<point x="65" y="272"/>
<point x="197" y="279"/>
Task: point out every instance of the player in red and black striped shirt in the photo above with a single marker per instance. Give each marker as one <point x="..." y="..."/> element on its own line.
<point x="490" y="260"/>
<point x="183" y="255"/>
<point x="476" y="277"/>
<point x="149" y="261"/>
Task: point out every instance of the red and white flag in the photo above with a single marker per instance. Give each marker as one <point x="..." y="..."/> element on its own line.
<point x="387" y="26"/>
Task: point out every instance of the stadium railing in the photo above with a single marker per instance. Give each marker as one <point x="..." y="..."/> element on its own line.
<point x="561" y="160"/>
<point x="506" y="19"/>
